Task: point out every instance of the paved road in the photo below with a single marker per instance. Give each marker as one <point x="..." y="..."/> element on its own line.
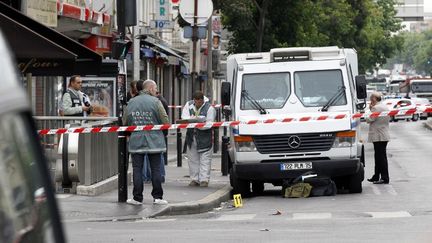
<point x="398" y="212"/>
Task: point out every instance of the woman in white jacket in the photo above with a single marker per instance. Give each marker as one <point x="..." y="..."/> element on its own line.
<point x="379" y="136"/>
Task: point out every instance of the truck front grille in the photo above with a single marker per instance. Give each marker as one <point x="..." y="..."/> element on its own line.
<point x="309" y="142"/>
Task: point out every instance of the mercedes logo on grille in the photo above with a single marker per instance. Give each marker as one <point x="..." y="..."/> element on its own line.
<point x="294" y="142"/>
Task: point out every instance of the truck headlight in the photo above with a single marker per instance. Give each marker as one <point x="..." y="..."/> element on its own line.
<point x="244" y="144"/>
<point x="345" y="139"/>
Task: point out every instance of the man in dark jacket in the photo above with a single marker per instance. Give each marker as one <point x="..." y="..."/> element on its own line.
<point x="146" y="109"/>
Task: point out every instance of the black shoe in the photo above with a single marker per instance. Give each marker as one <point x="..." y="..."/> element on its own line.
<point x="381" y="182"/>
<point x="373" y="179"/>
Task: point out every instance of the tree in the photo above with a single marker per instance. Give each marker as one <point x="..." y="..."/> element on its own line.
<point x="366" y="25"/>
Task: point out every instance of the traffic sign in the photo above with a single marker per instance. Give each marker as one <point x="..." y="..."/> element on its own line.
<point x="204" y="10"/>
<point x="161" y="24"/>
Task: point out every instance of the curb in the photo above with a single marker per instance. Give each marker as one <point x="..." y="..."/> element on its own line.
<point x="101" y="187"/>
<point x="428" y="125"/>
<point x="206" y="204"/>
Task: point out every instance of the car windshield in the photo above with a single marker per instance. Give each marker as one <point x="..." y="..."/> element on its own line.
<point x="24" y="212"/>
<point x="270" y="90"/>
<point x="316" y="88"/>
<point x="421" y="87"/>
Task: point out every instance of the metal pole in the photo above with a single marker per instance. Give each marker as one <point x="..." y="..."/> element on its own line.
<point x="194" y="47"/>
<point x="122" y="169"/>
<point x="225" y="166"/>
<point x="209" y="87"/>
<point x="136" y="54"/>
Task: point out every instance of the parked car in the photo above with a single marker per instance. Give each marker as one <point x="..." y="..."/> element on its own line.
<point x="402" y="104"/>
<point x="422" y="104"/>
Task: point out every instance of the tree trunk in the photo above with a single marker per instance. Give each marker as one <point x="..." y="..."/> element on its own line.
<point x="261" y="24"/>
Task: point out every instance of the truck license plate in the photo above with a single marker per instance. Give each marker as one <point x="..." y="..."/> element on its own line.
<point x="296" y="166"/>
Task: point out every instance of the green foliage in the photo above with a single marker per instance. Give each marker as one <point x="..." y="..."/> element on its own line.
<point x="416" y="53"/>
<point x="366" y="25"/>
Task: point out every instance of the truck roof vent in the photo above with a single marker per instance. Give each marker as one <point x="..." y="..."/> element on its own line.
<point x="303" y="53"/>
<point x="289" y="56"/>
<point x="253" y="56"/>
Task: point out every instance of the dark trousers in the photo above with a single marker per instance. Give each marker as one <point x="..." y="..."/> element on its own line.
<point x="381" y="163"/>
<point x="155" y="167"/>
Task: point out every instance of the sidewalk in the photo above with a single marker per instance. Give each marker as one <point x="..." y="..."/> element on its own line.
<point x="182" y="198"/>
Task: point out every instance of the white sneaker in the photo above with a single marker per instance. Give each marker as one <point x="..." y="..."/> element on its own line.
<point x="160" y="201"/>
<point x="133" y="202"/>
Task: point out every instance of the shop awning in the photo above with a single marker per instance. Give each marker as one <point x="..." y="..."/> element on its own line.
<point x="43" y="51"/>
<point x="161" y="48"/>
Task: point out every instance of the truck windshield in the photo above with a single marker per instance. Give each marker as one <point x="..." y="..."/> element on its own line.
<point x="421" y="87"/>
<point x="316" y="88"/>
<point x="24" y="212"/>
<point x="269" y="90"/>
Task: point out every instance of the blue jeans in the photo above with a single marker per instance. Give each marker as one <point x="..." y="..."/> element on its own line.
<point x="138" y="164"/>
<point x="147" y="171"/>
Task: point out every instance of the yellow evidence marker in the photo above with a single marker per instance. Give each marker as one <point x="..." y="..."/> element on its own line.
<point x="238" y="202"/>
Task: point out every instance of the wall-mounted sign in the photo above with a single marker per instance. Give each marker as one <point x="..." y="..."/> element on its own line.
<point x="162" y="10"/>
<point x="43" y="11"/>
<point x="162" y="24"/>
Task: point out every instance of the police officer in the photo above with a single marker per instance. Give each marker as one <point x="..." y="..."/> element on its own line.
<point x="73" y="99"/>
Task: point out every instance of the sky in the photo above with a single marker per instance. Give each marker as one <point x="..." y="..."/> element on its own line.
<point x="428" y="6"/>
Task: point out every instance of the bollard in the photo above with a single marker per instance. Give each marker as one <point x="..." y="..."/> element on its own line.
<point x="66" y="182"/>
<point x="179" y="148"/>
<point x="216" y="132"/>
<point x="122" y="168"/>
<point x="224" y="155"/>
<point x="166" y="154"/>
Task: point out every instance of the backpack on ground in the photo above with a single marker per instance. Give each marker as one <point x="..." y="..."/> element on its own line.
<point x="298" y="190"/>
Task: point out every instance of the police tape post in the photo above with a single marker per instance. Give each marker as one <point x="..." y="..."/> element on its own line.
<point x="228" y="123"/>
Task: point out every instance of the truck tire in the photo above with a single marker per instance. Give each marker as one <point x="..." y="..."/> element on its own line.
<point x="257" y="187"/>
<point x="355" y="181"/>
<point x="239" y="186"/>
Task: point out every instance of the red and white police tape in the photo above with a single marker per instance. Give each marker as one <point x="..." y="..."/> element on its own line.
<point x="180" y="106"/>
<point x="226" y="123"/>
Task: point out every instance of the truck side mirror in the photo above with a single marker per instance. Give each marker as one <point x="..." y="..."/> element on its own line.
<point x="226" y="93"/>
<point x="361" y="87"/>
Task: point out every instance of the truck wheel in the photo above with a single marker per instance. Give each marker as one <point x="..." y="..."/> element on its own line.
<point x="415" y="117"/>
<point x="257" y="187"/>
<point x="239" y="186"/>
<point x="355" y="181"/>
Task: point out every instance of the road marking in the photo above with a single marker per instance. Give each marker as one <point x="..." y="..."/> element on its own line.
<point x="146" y="220"/>
<point x="298" y="216"/>
<point x="63" y="196"/>
<point x="375" y="190"/>
<point x="236" y="217"/>
<point x="397" y="214"/>
<point x="390" y="190"/>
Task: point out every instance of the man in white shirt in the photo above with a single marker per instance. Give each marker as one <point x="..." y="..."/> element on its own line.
<point x="199" y="140"/>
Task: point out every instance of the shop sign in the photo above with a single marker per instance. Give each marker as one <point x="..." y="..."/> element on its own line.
<point x="43" y="11"/>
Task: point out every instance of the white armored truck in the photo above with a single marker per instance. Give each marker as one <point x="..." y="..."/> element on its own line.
<point x="295" y="83"/>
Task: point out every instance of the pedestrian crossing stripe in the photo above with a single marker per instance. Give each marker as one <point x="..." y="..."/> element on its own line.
<point x="236" y="217"/>
<point x="398" y="214"/>
<point x="380" y="190"/>
<point x="297" y="216"/>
